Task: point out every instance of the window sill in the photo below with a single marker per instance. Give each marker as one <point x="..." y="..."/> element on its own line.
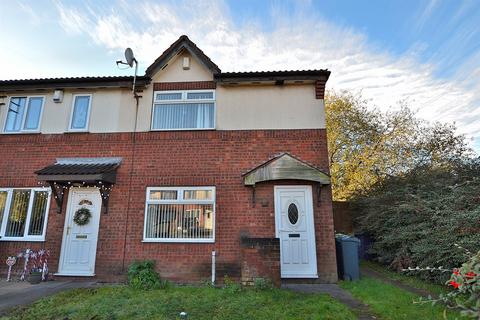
<point x="77" y="131"/>
<point x="178" y="240"/>
<point x="188" y="129"/>
<point x="22" y="132"/>
<point x="20" y="240"/>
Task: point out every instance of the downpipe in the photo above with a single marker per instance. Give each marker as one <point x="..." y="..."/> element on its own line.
<point x="213" y="267"/>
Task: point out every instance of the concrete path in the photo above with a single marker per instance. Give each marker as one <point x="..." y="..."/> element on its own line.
<point x="372" y="273"/>
<point x="359" y="308"/>
<point x="18" y="293"/>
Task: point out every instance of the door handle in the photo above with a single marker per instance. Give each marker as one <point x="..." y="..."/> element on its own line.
<point x="68" y="230"/>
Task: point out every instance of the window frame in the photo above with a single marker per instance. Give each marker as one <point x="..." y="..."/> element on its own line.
<point x="87" y="123"/>
<point x="24" y="117"/>
<point x="6" y="213"/>
<point x="184" y="100"/>
<point x="180" y="200"/>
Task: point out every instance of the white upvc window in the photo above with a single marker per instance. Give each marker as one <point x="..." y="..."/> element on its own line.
<point x="24" y="114"/>
<point x="80" y="113"/>
<point x="24" y="213"/>
<point x="183" y="110"/>
<point x="180" y="214"/>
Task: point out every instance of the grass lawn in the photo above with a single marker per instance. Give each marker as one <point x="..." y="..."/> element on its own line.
<point x="392" y="303"/>
<point x="122" y="302"/>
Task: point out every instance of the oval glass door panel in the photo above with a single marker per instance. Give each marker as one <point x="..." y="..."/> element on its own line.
<point x="293" y="213"/>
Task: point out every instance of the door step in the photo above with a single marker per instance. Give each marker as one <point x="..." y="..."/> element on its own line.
<point x="73" y="275"/>
<point x="288" y="281"/>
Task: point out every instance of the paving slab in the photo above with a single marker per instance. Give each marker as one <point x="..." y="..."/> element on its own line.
<point x="20" y="293"/>
<point x="339" y="294"/>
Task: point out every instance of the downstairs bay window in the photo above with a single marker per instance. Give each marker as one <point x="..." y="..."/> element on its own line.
<point x="184" y="110"/>
<point x="183" y="214"/>
<point x="23" y="213"/>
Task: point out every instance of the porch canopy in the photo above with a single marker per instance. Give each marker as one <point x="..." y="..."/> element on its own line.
<point x="285" y="167"/>
<point x="80" y="172"/>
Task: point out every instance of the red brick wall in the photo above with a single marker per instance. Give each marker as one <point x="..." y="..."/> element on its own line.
<point x="260" y="259"/>
<point x="342" y="217"/>
<point x="193" y="158"/>
<point x="320" y="89"/>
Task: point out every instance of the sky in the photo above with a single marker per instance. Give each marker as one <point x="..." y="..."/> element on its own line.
<point x="423" y="53"/>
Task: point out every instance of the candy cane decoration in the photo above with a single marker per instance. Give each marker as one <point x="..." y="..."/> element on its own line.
<point x="10" y="262"/>
<point x="44" y="254"/>
<point x="44" y="270"/>
<point x="26" y="256"/>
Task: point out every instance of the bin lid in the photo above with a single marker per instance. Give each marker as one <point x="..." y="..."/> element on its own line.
<point x="345" y="238"/>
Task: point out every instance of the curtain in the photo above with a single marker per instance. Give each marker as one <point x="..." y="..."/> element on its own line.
<point x="18" y="213"/>
<point x="183" y="116"/>
<point x="173" y="221"/>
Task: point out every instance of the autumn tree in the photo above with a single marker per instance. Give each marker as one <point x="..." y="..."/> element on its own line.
<point x="366" y="145"/>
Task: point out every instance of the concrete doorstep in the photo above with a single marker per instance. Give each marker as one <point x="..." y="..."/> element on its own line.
<point x="19" y="293"/>
<point x="359" y="308"/>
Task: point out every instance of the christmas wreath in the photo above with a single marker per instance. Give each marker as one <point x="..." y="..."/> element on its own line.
<point x="82" y="216"/>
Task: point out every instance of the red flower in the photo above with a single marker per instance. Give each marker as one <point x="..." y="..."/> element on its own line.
<point x="455" y="272"/>
<point x="454" y="284"/>
<point x="470" y="275"/>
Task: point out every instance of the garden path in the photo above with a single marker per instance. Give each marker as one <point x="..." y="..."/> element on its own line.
<point x="343" y="296"/>
<point x="369" y="272"/>
<point x="18" y="293"/>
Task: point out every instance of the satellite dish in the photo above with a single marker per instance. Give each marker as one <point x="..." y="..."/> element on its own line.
<point x="130" y="60"/>
<point x="129" y="57"/>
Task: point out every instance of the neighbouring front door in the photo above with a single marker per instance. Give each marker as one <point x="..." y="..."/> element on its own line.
<point x="79" y="245"/>
<point x="296" y="230"/>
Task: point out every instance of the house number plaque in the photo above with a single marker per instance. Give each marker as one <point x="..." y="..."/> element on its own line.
<point x="10" y="262"/>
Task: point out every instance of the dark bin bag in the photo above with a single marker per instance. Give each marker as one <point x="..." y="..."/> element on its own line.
<point x="366" y="243"/>
<point x="347" y="257"/>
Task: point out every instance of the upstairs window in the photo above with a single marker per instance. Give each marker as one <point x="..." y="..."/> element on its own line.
<point x="23" y="214"/>
<point x="184" y="214"/>
<point x="184" y="110"/>
<point x="80" y="113"/>
<point x="24" y="114"/>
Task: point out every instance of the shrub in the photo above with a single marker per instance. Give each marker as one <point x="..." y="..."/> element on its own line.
<point x="262" y="284"/>
<point x="230" y="285"/>
<point x="465" y="281"/>
<point x="415" y="219"/>
<point x="142" y="275"/>
<point x="207" y="283"/>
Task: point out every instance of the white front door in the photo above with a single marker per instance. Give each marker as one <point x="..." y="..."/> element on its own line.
<point x="79" y="245"/>
<point x="295" y="228"/>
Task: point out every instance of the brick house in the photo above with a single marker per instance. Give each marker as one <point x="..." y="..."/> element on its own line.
<point x="207" y="173"/>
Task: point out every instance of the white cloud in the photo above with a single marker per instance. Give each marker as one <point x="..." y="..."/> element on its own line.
<point x="299" y="40"/>
<point x="72" y="20"/>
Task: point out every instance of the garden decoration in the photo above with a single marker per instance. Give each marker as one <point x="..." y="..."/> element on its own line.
<point x="39" y="269"/>
<point x="82" y="216"/>
<point x="25" y="255"/>
<point x="35" y="272"/>
<point x="10" y="262"/>
<point x="38" y="261"/>
<point x="43" y="256"/>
